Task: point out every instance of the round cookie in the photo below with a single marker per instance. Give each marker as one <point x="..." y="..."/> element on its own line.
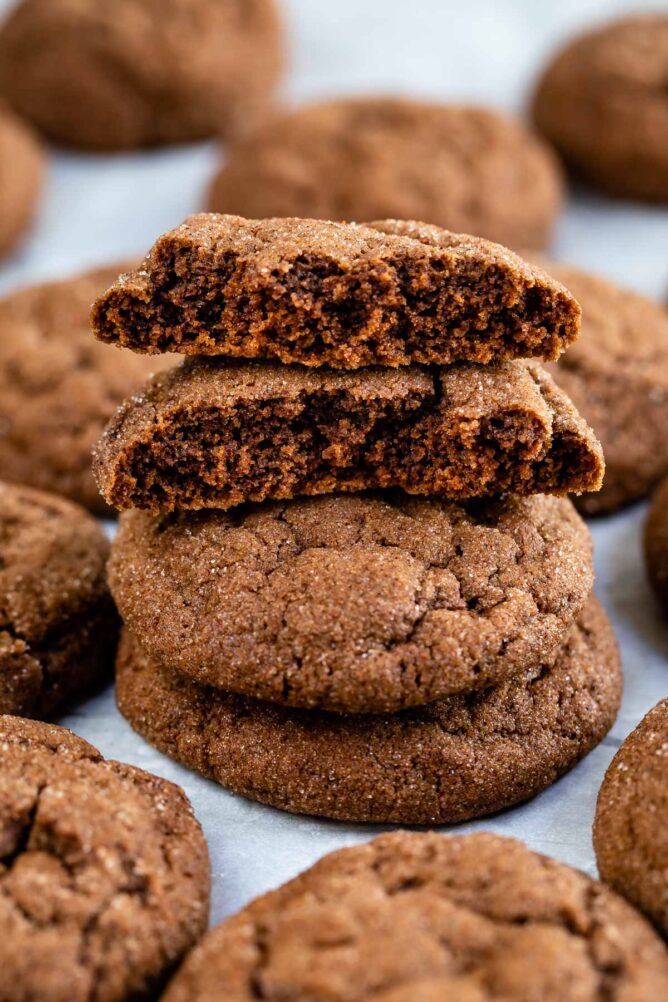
<point x="616" y="374"/>
<point x="656" y="544"/>
<point x="356" y="603"/>
<point x="459" y="758"/>
<point x="58" y="625"/>
<point x="21" y="177"/>
<point x="602" y="102"/>
<point x="631" y="825"/>
<point x="59" y="386"/>
<point x="104" y="872"/>
<point x="420" y="916"/>
<point x="139" y="73"/>
<point x="467" y="169"/>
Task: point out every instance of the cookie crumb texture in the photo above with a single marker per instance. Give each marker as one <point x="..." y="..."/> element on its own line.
<point x="427" y="917"/>
<point x="456" y="759"/>
<point x="22" y="167"/>
<point x="323" y="293"/>
<point x="59" y="387"/>
<point x="354" y="603"/>
<point x="214" y="434"/>
<point x="136" y="73"/>
<point x="58" y="624"/>
<point x="467" y="169"/>
<point x="104" y="871"/>
<point x="631" y="826"/>
<point x="602" y="102"/>
<point x="656" y="544"/>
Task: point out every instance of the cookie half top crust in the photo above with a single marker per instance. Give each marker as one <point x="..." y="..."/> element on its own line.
<point x="213" y="434"/>
<point x="339" y="294"/>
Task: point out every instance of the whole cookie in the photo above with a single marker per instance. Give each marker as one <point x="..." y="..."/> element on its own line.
<point x="602" y="102"/>
<point x="656" y="544"/>
<point x="104" y="873"/>
<point x="354" y="603"/>
<point x="58" y="386"/>
<point x="21" y="177"/>
<point x="631" y="826"/>
<point x="616" y="374"/>
<point x="136" y="73"/>
<point x="459" y="758"/>
<point x="419" y="916"/>
<point x="467" y="169"/>
<point x="58" y="624"/>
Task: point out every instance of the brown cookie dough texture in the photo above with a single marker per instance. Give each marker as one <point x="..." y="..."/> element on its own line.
<point x="321" y="293"/>
<point x="135" y="73"/>
<point x="58" y="624"/>
<point x="631" y="826"/>
<point x="602" y="102"/>
<point x="213" y="434"/>
<point x="616" y="374"/>
<point x="419" y="916"/>
<point x="467" y="169"/>
<point x="656" y="544"/>
<point x="58" y="386"/>
<point x="104" y="873"/>
<point x="458" y="758"/>
<point x="21" y="176"/>
<point x="355" y="603"/>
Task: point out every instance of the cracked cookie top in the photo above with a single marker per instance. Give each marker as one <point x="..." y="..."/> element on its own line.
<point x="104" y="874"/>
<point x="477" y="918"/>
<point x="354" y="603"/>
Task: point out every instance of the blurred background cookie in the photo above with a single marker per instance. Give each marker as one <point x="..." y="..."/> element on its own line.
<point x="22" y="164"/>
<point x="602" y="101"/>
<point x="656" y="544"/>
<point x="137" y="73"/>
<point x="467" y="169"/>
<point x="59" y="386"/>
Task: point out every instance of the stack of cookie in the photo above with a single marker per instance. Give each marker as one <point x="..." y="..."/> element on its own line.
<point x="350" y="581"/>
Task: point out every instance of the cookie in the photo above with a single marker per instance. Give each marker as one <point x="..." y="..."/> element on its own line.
<point x="58" y="624"/>
<point x="355" y="603"/>
<point x="632" y="818"/>
<point x="420" y="916"/>
<point x="22" y="165"/>
<point x="104" y="871"/>
<point x="58" y="386"/>
<point x="459" y="758"/>
<point x="138" y="73"/>
<point x="467" y="169"/>
<point x="656" y="544"/>
<point x="321" y="293"/>
<point x="602" y="102"/>
<point x="212" y="434"/>
<point x="616" y="374"/>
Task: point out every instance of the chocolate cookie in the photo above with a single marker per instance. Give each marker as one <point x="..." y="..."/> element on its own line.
<point x="631" y="826"/>
<point x="419" y="916"/>
<point x="213" y="434"/>
<point x="616" y="374"/>
<point x="467" y="169"/>
<point x="58" y="386"/>
<point x="138" y="72"/>
<point x="354" y="603"/>
<point x="320" y="293"/>
<point x="656" y="544"/>
<point x="58" y="624"/>
<point x="104" y="873"/>
<point x="21" y="177"/>
<point x="602" y="102"/>
<point x="459" y="758"/>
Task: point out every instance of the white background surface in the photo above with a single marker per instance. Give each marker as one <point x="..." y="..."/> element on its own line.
<point x="97" y="209"/>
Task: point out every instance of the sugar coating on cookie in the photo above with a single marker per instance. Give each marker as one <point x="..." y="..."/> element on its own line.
<point x="470" y="170"/>
<point x="137" y="73"/>
<point x="345" y="295"/>
<point x="104" y="872"/>
<point x="602" y="102"/>
<point x="656" y="544"/>
<point x="459" y="758"/>
<point x="58" y="625"/>
<point x="423" y="916"/>
<point x="59" y="386"/>
<point x="22" y="163"/>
